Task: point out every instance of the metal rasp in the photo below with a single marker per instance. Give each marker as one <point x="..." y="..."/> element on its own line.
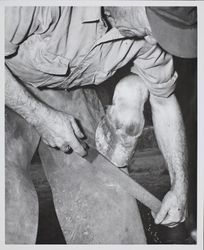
<point x="109" y="173"/>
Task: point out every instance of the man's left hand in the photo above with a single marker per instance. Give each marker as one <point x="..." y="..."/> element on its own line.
<point x="173" y="209"/>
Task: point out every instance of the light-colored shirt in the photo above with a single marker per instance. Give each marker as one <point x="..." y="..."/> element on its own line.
<point x="65" y="47"/>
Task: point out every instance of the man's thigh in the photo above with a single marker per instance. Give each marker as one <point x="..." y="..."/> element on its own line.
<point x="21" y="204"/>
<point x="89" y="211"/>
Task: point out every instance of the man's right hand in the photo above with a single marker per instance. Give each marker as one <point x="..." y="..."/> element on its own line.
<point x="58" y="129"/>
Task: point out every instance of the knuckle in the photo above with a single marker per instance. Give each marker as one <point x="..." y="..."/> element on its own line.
<point x="45" y="142"/>
<point x="59" y="144"/>
<point x="52" y="144"/>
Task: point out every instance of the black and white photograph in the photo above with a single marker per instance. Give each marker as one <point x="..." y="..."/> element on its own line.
<point x="101" y="118"/>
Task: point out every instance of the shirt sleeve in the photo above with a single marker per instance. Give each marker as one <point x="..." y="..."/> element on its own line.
<point x="18" y="23"/>
<point x="155" y="67"/>
<point x="21" y="22"/>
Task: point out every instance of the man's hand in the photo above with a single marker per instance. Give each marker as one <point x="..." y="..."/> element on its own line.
<point x="170" y="133"/>
<point x="173" y="209"/>
<point x="58" y="129"/>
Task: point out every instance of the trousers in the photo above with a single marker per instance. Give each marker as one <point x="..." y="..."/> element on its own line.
<point x="89" y="211"/>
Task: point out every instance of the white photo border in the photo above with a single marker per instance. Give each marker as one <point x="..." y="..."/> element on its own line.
<point x="200" y="118"/>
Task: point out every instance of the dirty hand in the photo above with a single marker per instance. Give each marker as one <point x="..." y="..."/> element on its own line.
<point x="173" y="209"/>
<point x="58" y="129"/>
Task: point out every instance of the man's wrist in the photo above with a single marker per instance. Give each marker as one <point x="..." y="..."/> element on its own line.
<point x="180" y="186"/>
<point x="39" y="114"/>
<point x="23" y="102"/>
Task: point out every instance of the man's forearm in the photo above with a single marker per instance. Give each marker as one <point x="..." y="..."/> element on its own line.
<point x="20" y="100"/>
<point x="56" y="128"/>
<point x="170" y="133"/>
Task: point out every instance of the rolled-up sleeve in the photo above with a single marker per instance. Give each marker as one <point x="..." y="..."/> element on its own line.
<point x="155" y="67"/>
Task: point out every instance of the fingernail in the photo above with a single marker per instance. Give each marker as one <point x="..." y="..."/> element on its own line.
<point x="84" y="145"/>
<point x="81" y="135"/>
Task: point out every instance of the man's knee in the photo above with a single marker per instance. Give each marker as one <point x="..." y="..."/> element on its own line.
<point x="126" y="113"/>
